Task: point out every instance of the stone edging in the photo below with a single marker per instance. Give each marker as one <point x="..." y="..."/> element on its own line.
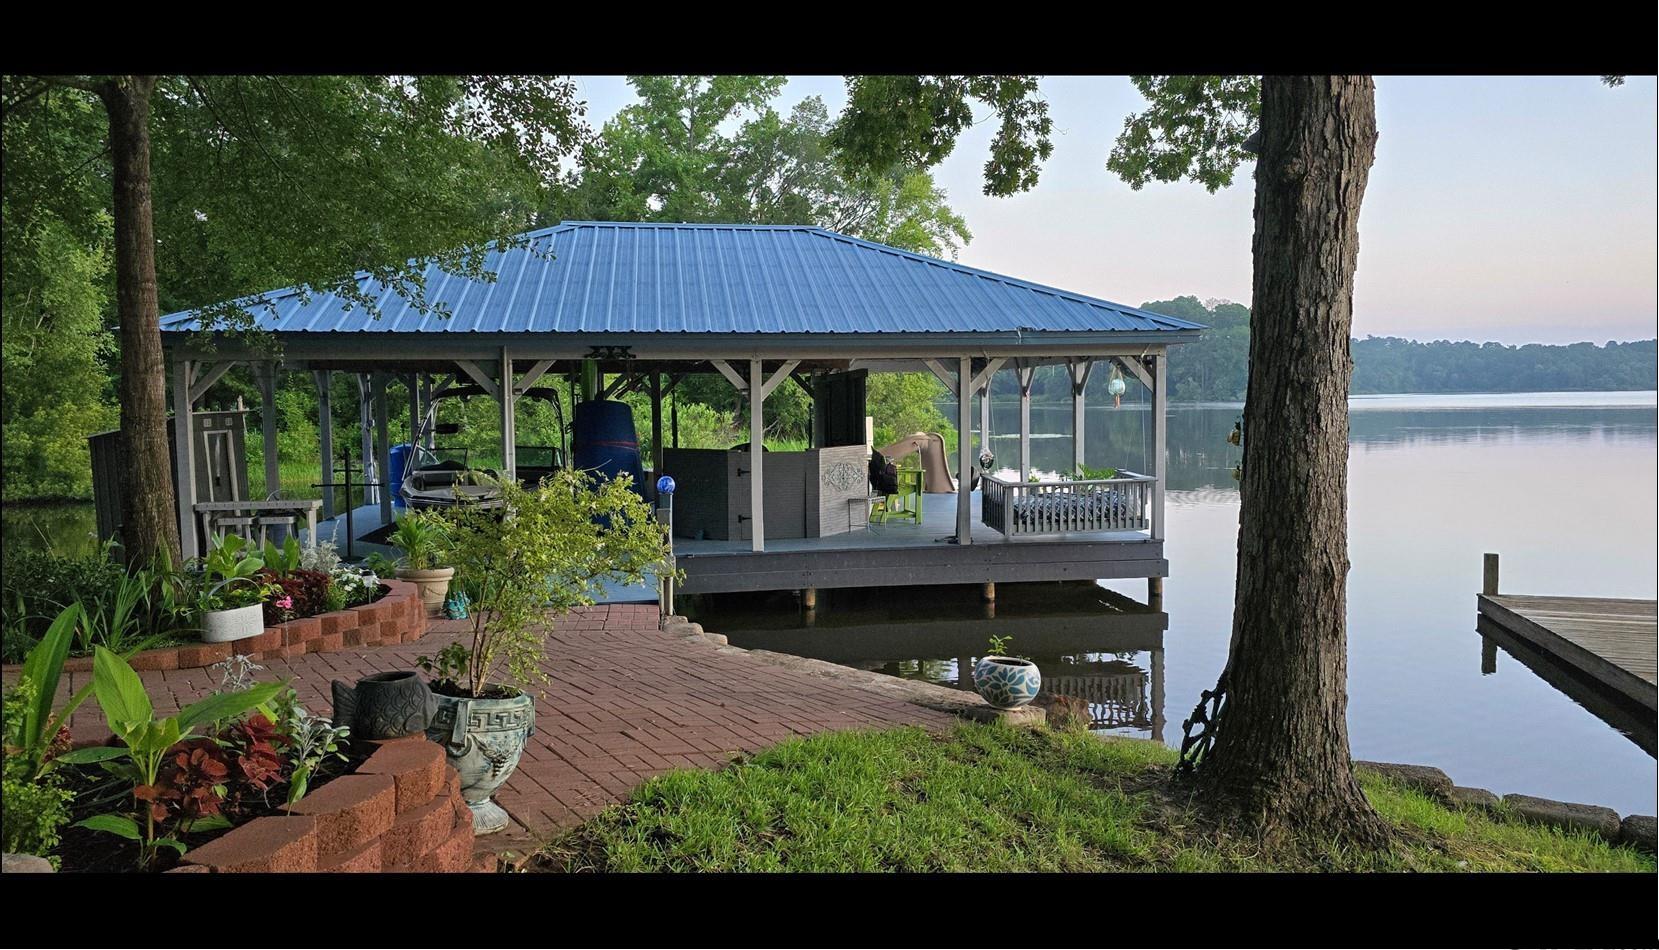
<point x="1634" y="830"/>
<point x="398" y="617"/>
<point x="401" y="811"/>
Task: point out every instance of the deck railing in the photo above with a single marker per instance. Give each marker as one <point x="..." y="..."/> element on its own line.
<point x="1023" y="509"/>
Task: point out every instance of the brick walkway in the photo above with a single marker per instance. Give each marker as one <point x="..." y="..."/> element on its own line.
<point x="626" y="702"/>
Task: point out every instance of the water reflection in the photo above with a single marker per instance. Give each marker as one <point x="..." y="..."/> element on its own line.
<point x="1633" y="722"/>
<point x="1092" y="645"/>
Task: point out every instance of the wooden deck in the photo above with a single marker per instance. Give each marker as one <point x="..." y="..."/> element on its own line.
<point x="1611" y="641"/>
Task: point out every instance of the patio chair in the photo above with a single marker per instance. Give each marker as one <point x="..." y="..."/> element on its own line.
<point x="904" y="502"/>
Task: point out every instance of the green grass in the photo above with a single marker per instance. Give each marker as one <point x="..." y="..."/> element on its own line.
<point x="991" y="798"/>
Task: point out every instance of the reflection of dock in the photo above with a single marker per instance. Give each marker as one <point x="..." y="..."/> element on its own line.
<point x="1610" y="641"/>
<point x="1115" y="691"/>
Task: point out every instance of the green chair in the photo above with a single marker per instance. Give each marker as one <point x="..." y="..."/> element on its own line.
<point x="902" y="505"/>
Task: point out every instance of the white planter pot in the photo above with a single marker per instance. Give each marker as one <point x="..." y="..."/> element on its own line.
<point x="238" y="623"/>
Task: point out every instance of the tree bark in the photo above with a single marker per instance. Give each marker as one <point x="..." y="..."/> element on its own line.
<point x="1281" y="760"/>
<point x="147" y="485"/>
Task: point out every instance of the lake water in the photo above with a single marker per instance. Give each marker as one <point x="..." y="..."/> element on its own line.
<point x="1562" y="485"/>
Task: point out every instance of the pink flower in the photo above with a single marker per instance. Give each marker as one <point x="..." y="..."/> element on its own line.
<point x="286" y="603"/>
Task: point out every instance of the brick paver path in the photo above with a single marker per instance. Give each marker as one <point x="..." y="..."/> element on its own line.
<point x="626" y="702"/>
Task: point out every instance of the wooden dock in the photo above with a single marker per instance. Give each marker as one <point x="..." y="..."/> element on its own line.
<point x="1611" y="641"/>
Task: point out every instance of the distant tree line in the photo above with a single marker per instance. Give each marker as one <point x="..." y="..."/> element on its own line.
<point x="1213" y="369"/>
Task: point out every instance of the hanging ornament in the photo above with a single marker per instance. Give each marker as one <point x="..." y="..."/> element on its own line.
<point x="1116" y="386"/>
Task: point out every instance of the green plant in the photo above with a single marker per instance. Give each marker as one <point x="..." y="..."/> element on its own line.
<point x="421" y="536"/>
<point x="146" y="741"/>
<point x="34" y="731"/>
<point x="449" y="665"/>
<point x="36" y="807"/>
<point x="999" y="645"/>
<point x="379" y="564"/>
<point x="226" y="559"/>
<point x="544" y="552"/>
<point x="310" y="741"/>
<point x="1090" y="473"/>
<point x="284" y="560"/>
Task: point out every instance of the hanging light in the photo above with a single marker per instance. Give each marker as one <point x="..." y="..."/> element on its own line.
<point x="1116" y="386"/>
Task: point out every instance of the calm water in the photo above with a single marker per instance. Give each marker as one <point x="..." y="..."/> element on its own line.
<point x="1562" y="485"/>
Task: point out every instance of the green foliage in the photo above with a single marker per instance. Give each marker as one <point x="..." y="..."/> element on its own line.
<point x="125" y="612"/>
<point x="914" y="122"/>
<point x="32" y="729"/>
<point x="36" y="805"/>
<point x="901" y="403"/>
<point x="542" y="554"/>
<point x="999" y="645"/>
<point x="422" y="537"/>
<point x="146" y="740"/>
<point x="1193" y="127"/>
<point x="283" y="560"/>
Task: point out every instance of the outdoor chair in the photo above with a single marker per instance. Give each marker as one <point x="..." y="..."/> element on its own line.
<point x="902" y="504"/>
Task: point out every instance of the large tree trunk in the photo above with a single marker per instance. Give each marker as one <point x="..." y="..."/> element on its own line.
<point x="1280" y="759"/>
<point x="149" y="522"/>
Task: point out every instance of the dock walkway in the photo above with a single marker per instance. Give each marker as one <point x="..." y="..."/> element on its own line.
<point x="1612" y="641"/>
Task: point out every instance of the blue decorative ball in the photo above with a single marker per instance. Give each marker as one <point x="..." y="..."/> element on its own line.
<point x="665" y="485"/>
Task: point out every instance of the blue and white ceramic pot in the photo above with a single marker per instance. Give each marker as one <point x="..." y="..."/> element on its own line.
<point x="1007" y="682"/>
<point x="483" y="739"/>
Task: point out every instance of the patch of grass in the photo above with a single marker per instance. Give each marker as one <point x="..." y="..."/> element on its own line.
<point x="993" y="798"/>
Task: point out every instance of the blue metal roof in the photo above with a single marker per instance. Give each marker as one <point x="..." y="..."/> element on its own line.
<point x="616" y="277"/>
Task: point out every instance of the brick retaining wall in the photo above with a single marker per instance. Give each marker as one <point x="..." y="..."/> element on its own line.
<point x="401" y="811"/>
<point x="398" y="617"/>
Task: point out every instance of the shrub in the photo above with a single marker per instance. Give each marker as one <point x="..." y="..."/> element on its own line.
<point x="306" y="591"/>
<point x="36" y="808"/>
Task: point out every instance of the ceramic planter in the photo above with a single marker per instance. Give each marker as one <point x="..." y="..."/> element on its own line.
<point x="384" y="706"/>
<point x="433" y="584"/>
<point x="1007" y="682"/>
<point x="237" y="623"/>
<point x="483" y="739"/>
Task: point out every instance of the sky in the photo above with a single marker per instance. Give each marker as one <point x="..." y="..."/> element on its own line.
<point x="1515" y="209"/>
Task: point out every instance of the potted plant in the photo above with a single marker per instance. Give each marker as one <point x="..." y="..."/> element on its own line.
<point x="1006" y="682"/>
<point x="542" y="552"/>
<point x="229" y="598"/>
<point x="421" y="536"/>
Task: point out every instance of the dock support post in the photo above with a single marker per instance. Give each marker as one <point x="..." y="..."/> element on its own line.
<point x="985" y="415"/>
<point x="1489" y="575"/>
<point x="1155" y="593"/>
<point x="325" y="438"/>
<point x="184" y="459"/>
<point x="365" y="418"/>
<point x="509" y="426"/>
<point x="656" y="422"/>
<point x="1488" y="656"/>
<point x="1158" y="692"/>
<point x="265" y="375"/>
<point x="1160" y="428"/>
<point x="809" y="598"/>
<point x="964" y="450"/>
<point x="988" y="592"/>
<point x="1079" y="373"/>
<point x="426" y="401"/>
<point x="1026" y="374"/>
<point x="757" y="455"/>
<point x="383" y="450"/>
<point x="414" y="384"/>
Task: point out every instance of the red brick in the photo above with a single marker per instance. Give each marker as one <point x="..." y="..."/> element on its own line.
<point x="75" y="664"/>
<point x="391" y="631"/>
<point x="271" y="639"/>
<point x="166" y="658"/>
<point x="272" y="843"/>
<point x="369" y="615"/>
<point x="415" y="763"/>
<point x="350" y="811"/>
<point x="303" y="630"/>
<point x="484" y="863"/>
<point x="205" y="654"/>
<point x="364" y="860"/>
<point x="293" y="650"/>
<point x="352" y="636"/>
<point x="337" y="621"/>
<point x="329" y="643"/>
<point x="417" y="832"/>
<point x="452" y="856"/>
<point x="191" y="869"/>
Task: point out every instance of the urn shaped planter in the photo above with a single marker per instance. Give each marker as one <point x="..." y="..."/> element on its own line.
<point x="483" y="739"/>
<point x="1007" y="682"/>
<point x="433" y="584"/>
<point x="237" y="623"/>
<point x="384" y="706"/>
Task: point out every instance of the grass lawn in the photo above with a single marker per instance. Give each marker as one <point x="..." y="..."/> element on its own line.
<point x="993" y="798"/>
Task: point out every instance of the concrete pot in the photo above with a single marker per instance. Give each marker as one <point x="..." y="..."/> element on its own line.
<point x="433" y="584"/>
<point x="483" y="739"/>
<point x="1007" y="682"/>
<point x="237" y="623"/>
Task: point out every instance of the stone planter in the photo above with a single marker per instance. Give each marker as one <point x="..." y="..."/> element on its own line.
<point x="433" y="584"/>
<point x="1007" y="682"/>
<point x="238" y="623"/>
<point x="383" y="706"/>
<point x="483" y="739"/>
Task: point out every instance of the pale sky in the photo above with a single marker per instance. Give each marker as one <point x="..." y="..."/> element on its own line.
<point x="1516" y="209"/>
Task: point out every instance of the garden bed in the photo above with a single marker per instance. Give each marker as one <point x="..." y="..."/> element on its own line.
<point x="397" y="616"/>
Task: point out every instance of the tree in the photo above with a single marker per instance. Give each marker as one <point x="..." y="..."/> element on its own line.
<point x="1280" y="759"/>
<point x="298" y="180"/>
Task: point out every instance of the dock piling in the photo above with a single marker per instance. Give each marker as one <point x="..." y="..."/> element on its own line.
<point x="1489" y="576"/>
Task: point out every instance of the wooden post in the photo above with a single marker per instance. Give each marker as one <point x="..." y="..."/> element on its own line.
<point x="265" y="375"/>
<point x="809" y="598"/>
<point x="656" y="422"/>
<point x="365" y="416"/>
<point x="1160" y="408"/>
<point x="509" y="424"/>
<point x="1488" y="656"/>
<point x="1489" y="575"/>
<point x="1158" y="691"/>
<point x="1026" y="374"/>
<point x="184" y="461"/>
<point x="414" y="408"/>
<point x="757" y="451"/>
<point x="383" y="451"/>
<point x="426" y="401"/>
<point x="1155" y="593"/>
<point x="988" y="592"/>
<point x="325" y="438"/>
<point x="1079" y="373"/>
<point x="964" y="450"/>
